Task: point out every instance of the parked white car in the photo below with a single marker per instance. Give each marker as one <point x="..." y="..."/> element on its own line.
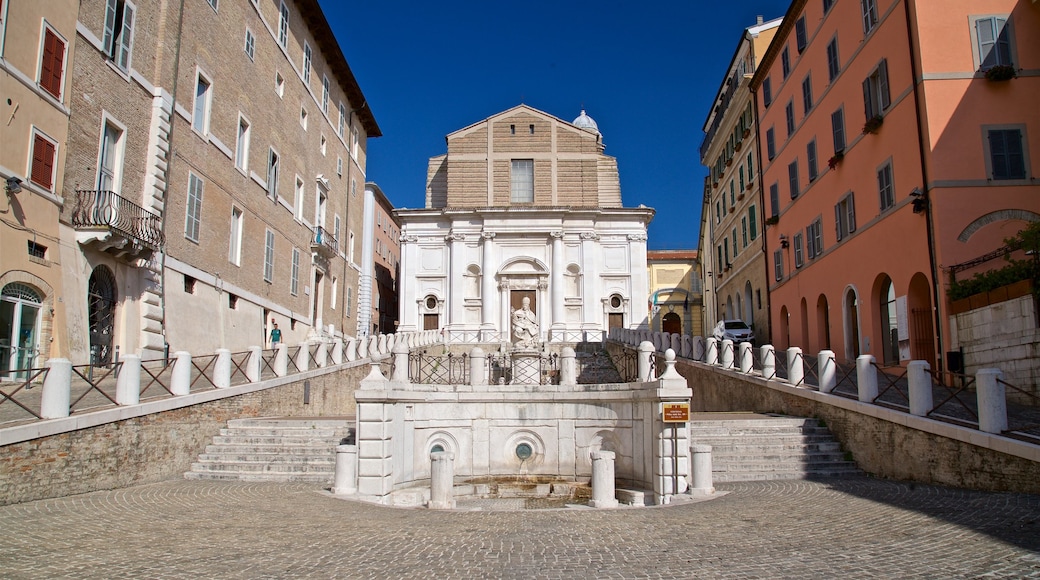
<point x="736" y="330"/>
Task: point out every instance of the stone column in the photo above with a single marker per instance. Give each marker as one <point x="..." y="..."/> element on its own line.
<point x="556" y="281"/>
<point x="351" y="349"/>
<point x="322" y="354"/>
<point x="727" y="354"/>
<point x="487" y="283"/>
<point x="795" y="366"/>
<point x="702" y="482"/>
<point x="568" y="366"/>
<point x="745" y="357"/>
<point x="455" y="277"/>
<point x="645" y="349"/>
<point x="303" y="357"/>
<point x="180" y="375"/>
<point x="256" y="354"/>
<point x="828" y="370"/>
<point x="992" y="401"/>
<point x="768" y="361"/>
<point x="442" y="480"/>
<point x="920" y="387"/>
<point x="128" y="383"/>
<point x="57" y="389"/>
<point x="337" y="352"/>
<point x="222" y="369"/>
<point x="866" y="377"/>
<point x="478" y="374"/>
<point x="345" y="481"/>
<point x="400" y="364"/>
<point x="711" y="354"/>
<point x="603" y="493"/>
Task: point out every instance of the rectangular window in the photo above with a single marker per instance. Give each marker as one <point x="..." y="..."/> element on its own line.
<point x="521" y="181"/>
<point x="119" y="32"/>
<point x="845" y="217"/>
<point x="283" y="25"/>
<point x="718" y="250"/>
<point x="750" y="167"/>
<point x="232" y="301"/>
<point x="833" y="62"/>
<point x="789" y="113"/>
<point x="740" y="174"/>
<point x="886" y="188"/>
<point x="770" y="144"/>
<point x="43" y="161"/>
<point x="242" y="145"/>
<point x="350" y="247"/>
<point x="875" y="91"/>
<point x="870" y="15"/>
<point x="799" y="33"/>
<point x="335" y="292"/>
<point x="993" y="38"/>
<point x="272" y="174"/>
<point x="752" y="214"/>
<point x="298" y="200"/>
<point x="307" y="55"/>
<point x="322" y="145"/>
<point x="342" y="120"/>
<point x="303" y="118"/>
<point x="269" y="256"/>
<point x="743" y="232"/>
<point x="193" y="211"/>
<point x="807" y="100"/>
<point x="827" y="5"/>
<point x="189" y="284"/>
<point x="52" y="63"/>
<point x="110" y="158"/>
<point x="838" y="130"/>
<point x="353" y="187"/>
<point x="279" y="84"/>
<point x="200" y="116"/>
<point x="294" y="273"/>
<point x="778" y="265"/>
<point x="325" y="94"/>
<point x="785" y="62"/>
<point x="814" y="238"/>
<point x="767" y="92"/>
<point x="810" y="153"/>
<point x="734" y="237"/>
<point x="335" y="229"/>
<point x="250" y="44"/>
<point x="792" y="177"/>
<point x="349" y="301"/>
<point x="1006" y="154"/>
<point x="235" y="243"/>
<point x="799" y="251"/>
<point x="355" y="142"/>
<point x="774" y="200"/>
<point x="718" y="213"/>
<point x="339" y="166"/>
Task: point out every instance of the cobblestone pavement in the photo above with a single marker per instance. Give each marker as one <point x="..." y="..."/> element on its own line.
<point x="854" y="528"/>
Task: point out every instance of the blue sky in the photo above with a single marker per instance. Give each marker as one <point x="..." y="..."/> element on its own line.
<point x="647" y="73"/>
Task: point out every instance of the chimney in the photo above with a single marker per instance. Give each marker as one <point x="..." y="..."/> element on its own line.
<point x="759" y="20"/>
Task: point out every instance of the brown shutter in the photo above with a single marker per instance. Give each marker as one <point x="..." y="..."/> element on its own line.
<point x="43" y="162"/>
<point x="53" y="63"/>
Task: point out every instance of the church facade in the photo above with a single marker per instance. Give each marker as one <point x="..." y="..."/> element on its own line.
<point x="523" y="206"/>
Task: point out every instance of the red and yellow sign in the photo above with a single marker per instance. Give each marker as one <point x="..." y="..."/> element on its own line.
<point x="675" y="412"/>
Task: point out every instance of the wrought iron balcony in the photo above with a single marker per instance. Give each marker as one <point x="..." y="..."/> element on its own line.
<point x="324" y="242"/>
<point x="128" y="228"/>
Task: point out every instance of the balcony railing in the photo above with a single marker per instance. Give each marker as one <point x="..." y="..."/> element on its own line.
<point x="324" y="241"/>
<point x="107" y="209"/>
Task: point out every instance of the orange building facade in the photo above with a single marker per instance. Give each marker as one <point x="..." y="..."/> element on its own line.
<point x="892" y="149"/>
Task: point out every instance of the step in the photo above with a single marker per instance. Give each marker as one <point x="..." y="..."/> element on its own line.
<point x="274" y="440"/>
<point x="770" y="466"/>
<point x="312" y="449"/>
<point x="266" y="458"/>
<point x="283" y="431"/>
<point x="290" y="422"/>
<point x="761" y="430"/>
<point x="273" y="466"/>
<point x="735" y="447"/>
<point x="723" y="477"/>
<point x="282" y="477"/>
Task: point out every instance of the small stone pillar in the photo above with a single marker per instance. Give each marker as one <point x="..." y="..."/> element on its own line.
<point x="381" y="344"/>
<point x="866" y="378"/>
<point x="372" y="346"/>
<point x="478" y="374"/>
<point x="645" y="348"/>
<point x="346" y="470"/>
<point x="795" y="366"/>
<point x="400" y="373"/>
<point x="442" y="480"/>
<point x="727" y="354"/>
<point x="827" y="370"/>
<point x="180" y="376"/>
<point x="768" y="361"/>
<point x="698" y="349"/>
<point x="303" y="357"/>
<point x="57" y="389"/>
<point x="337" y="351"/>
<point x="351" y="350"/>
<point x="745" y="357"/>
<point x="603" y="494"/>
<point x="362" y="347"/>
<point x="256" y="355"/>
<point x="568" y="366"/>
<point x="322" y="355"/>
<point x="920" y="387"/>
<point x="281" y="359"/>
<point x="222" y="369"/>
<point x="992" y="401"/>
<point x="711" y="353"/>
<point x="687" y="347"/>
<point x="128" y="383"/>
<point x="676" y="343"/>
<point x="702" y="484"/>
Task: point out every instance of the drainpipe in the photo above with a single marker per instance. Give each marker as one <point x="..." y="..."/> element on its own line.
<point x="929" y="226"/>
<point x="762" y="204"/>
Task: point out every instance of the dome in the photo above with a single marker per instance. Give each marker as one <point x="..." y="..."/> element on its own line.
<point x="586" y="122"/>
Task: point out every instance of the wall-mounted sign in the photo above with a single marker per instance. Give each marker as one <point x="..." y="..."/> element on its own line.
<point x="675" y="412"/>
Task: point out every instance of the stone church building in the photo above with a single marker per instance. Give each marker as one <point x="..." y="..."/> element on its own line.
<point x="524" y="205"/>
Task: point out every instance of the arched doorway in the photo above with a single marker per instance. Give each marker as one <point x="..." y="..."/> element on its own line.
<point x="430" y="311"/>
<point x="804" y="315"/>
<point x="19" y="329"/>
<point x="888" y="323"/>
<point x="749" y="311"/>
<point x="785" y="328"/>
<point x="922" y="335"/>
<point x="101" y="314"/>
<point x="851" y="316"/>
<point x="729" y="308"/>
<point x="823" y="323"/>
<point x="671" y="323"/>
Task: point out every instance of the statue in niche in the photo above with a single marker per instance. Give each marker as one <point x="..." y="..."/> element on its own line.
<point x="525" y="325"/>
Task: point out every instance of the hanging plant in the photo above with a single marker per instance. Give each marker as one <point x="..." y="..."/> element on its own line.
<point x="750" y="185"/>
<point x="1001" y="72"/>
<point x="835" y="159"/>
<point x="772" y="220"/>
<point x="873" y="124"/>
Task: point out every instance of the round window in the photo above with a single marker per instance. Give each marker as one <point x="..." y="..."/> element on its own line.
<point x="615" y="301"/>
<point x="524" y="451"/>
<point x="431" y="302"/>
<point x="437" y="448"/>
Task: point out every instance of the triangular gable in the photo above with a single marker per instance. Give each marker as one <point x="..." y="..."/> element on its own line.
<point x="506" y="113"/>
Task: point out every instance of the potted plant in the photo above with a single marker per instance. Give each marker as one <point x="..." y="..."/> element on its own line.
<point x="1001" y="72"/>
<point x="749" y="185"/>
<point x="746" y="133"/>
<point x="740" y="196"/>
<point x="873" y="124"/>
<point x="835" y="159"/>
<point x="772" y="220"/>
<point x="738" y="146"/>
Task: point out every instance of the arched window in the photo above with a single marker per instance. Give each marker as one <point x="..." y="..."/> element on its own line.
<point x="572" y="281"/>
<point x="889" y="324"/>
<point x="19" y="329"/>
<point x="430" y="311"/>
<point x="101" y="314"/>
<point x="472" y="284"/>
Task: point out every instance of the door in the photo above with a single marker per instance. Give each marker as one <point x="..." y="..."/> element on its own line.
<point x="671" y="323"/>
<point x="19" y="329"/>
<point x="101" y="314"/>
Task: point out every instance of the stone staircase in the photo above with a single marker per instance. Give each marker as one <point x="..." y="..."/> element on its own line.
<point x="757" y="447"/>
<point x="274" y="449"/>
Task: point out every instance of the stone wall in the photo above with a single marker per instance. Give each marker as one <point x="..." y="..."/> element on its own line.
<point x="1004" y="336"/>
<point x="159" y="446"/>
<point x="883" y="442"/>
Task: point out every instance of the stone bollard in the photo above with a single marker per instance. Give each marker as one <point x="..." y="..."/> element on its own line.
<point x="362" y="347"/>
<point x="222" y="369"/>
<point x="698" y="349"/>
<point x="768" y="361"/>
<point x="303" y="357"/>
<point x="676" y="343"/>
<point x="442" y="480"/>
<point x="381" y="344"/>
<point x="795" y="366"/>
<point x="745" y="357"/>
<point x="322" y="354"/>
<point x="568" y="366"/>
<point x="920" y="387"/>
<point x="687" y="347"/>
<point x="645" y="348"/>
<point x="57" y="389"/>
<point x="180" y="376"/>
<point x="603" y="494"/>
<point x="346" y="470"/>
<point x="828" y="370"/>
<point x="726" y="353"/>
<point x="866" y="378"/>
<point x="478" y="374"/>
<point x="702" y="484"/>
<point x="281" y="359"/>
<point x="992" y="401"/>
<point x="400" y="373"/>
<point x="351" y="349"/>
<point x="128" y="383"/>
<point x="711" y="352"/>
<point x="337" y="351"/>
<point x="256" y="356"/>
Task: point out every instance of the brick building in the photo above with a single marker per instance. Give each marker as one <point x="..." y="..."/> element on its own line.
<point x="381" y="260"/>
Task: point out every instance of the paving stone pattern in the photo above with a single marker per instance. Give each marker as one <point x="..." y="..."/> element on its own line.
<point x="849" y="528"/>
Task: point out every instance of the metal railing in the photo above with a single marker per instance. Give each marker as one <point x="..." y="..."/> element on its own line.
<point x="445" y="369"/>
<point x="324" y="240"/>
<point x="101" y="208"/>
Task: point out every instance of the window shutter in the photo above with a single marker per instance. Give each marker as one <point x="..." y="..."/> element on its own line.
<point x="998" y="154"/>
<point x="1015" y="157"/>
<point x="123" y="53"/>
<point x="868" y="104"/>
<point x="837" y="220"/>
<point x="852" y="213"/>
<point x="52" y="65"/>
<point x="987" y="40"/>
<point x="110" y="28"/>
<point x="838" y="130"/>
<point x="1003" y="43"/>
<point x="886" y="99"/>
<point x="754" y="222"/>
<point x="43" y="163"/>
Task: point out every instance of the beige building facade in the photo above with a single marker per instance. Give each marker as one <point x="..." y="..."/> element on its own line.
<point x="675" y="292"/>
<point x="382" y="260"/>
